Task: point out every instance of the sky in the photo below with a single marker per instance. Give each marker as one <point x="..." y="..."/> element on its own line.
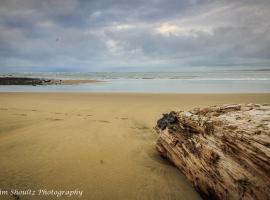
<point x="133" y="35"/>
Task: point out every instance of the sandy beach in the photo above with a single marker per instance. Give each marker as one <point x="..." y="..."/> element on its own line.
<point x="101" y="144"/>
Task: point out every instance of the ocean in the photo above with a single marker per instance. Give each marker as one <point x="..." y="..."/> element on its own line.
<point x="241" y="81"/>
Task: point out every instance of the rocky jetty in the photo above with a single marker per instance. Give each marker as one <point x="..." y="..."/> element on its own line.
<point x="223" y="150"/>
<point x="9" y="80"/>
<point x="27" y="81"/>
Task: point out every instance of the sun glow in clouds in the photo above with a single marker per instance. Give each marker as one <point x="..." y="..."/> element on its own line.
<point x="168" y="29"/>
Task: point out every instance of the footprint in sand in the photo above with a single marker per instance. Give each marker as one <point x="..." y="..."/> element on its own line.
<point x="54" y="119"/>
<point x="141" y="127"/>
<point x="123" y="118"/>
<point x="86" y="117"/>
<point x="104" y="121"/>
<point x="22" y="114"/>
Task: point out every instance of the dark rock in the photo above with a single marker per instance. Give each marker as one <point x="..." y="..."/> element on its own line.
<point x="26" y="81"/>
<point x="166" y="120"/>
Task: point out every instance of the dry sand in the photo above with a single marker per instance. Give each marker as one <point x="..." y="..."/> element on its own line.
<point x="102" y="144"/>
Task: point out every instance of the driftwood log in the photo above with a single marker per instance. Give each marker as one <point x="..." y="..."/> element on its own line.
<point x="223" y="150"/>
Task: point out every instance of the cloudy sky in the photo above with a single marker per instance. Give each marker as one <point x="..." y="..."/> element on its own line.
<point x="133" y="35"/>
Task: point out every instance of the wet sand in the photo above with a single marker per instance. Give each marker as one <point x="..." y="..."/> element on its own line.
<point x="102" y="144"/>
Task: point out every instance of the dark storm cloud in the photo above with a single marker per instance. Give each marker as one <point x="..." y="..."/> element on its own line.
<point x="118" y="34"/>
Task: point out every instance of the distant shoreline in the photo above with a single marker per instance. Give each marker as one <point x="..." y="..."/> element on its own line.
<point x="41" y="81"/>
<point x="137" y="82"/>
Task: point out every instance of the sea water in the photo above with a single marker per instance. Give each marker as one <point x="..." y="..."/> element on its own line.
<point x="241" y="81"/>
